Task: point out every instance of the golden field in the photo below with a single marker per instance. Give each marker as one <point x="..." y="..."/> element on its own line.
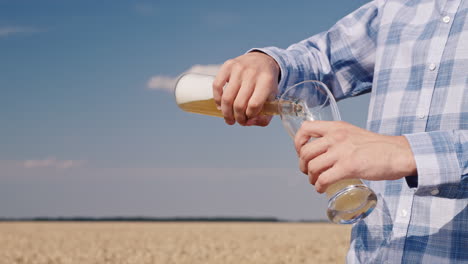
<point x="172" y="242"/>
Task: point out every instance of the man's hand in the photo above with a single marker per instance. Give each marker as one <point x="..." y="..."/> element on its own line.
<point x="251" y="80"/>
<point x="343" y="151"/>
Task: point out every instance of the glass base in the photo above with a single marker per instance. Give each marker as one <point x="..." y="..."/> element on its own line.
<point x="351" y="204"/>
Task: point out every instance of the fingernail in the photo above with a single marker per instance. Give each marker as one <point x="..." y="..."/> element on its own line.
<point x="218" y="107"/>
<point x="229" y="122"/>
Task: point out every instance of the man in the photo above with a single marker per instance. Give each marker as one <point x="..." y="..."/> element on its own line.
<point x="412" y="56"/>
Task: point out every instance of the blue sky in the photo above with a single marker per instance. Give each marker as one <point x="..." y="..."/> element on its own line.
<point x="85" y="132"/>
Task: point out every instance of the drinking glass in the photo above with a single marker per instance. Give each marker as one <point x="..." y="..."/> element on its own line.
<point x="348" y="200"/>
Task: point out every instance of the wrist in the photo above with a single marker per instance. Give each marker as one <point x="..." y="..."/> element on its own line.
<point x="274" y="64"/>
<point x="405" y="162"/>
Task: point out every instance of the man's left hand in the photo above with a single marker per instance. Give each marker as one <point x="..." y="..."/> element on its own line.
<point x="344" y="151"/>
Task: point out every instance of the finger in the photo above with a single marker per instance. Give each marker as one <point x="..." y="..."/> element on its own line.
<point x="302" y="137"/>
<point x="228" y="97"/>
<point x="242" y="99"/>
<point x="310" y="129"/>
<point x="310" y="151"/>
<point x="220" y="81"/>
<point x="329" y="177"/>
<point x="260" y="120"/>
<point x="264" y="89"/>
<point x="319" y="165"/>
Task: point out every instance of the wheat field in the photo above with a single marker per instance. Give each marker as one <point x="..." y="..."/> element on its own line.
<point x="172" y="242"/>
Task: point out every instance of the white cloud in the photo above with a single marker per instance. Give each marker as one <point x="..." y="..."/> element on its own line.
<point x="167" y="83"/>
<point x="10" y="30"/>
<point x="52" y="162"/>
<point x="160" y="82"/>
<point x="205" y="69"/>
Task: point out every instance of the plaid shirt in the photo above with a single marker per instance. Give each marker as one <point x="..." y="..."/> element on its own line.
<point x="412" y="55"/>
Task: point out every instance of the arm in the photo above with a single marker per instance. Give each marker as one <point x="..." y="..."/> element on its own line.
<point x="342" y="57"/>
<point x="343" y="151"/>
<point x="437" y="161"/>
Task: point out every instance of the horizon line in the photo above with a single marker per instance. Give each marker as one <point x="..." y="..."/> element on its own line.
<point x="155" y="219"/>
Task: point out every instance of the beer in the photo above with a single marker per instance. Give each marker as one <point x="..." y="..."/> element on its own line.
<point x="194" y="94"/>
<point x="208" y="107"/>
<point x="204" y="107"/>
<point x="349" y="200"/>
<point x="334" y="188"/>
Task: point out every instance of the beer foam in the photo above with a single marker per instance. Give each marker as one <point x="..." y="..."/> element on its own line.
<point x="194" y="87"/>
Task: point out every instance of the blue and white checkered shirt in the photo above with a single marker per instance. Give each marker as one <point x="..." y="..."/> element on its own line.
<point x="412" y="55"/>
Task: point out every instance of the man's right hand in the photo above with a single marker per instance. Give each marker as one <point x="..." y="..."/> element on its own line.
<point x="243" y="85"/>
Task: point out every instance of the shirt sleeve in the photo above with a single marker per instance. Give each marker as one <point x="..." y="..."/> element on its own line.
<point x="441" y="160"/>
<point x="343" y="57"/>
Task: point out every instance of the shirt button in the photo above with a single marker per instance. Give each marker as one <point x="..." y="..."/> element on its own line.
<point x="421" y="116"/>
<point x="446" y="19"/>
<point x="435" y="192"/>
<point x="432" y="66"/>
<point x="404" y="213"/>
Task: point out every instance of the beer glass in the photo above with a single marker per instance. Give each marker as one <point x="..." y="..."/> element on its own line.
<point x="348" y="200"/>
<point x="194" y="94"/>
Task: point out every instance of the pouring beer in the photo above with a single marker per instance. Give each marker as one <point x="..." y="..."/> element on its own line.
<point x="348" y="200"/>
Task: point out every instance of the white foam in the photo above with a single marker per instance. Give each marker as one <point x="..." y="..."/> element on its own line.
<point x="194" y="87"/>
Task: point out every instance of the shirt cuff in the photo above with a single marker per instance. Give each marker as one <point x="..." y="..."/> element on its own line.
<point x="436" y="159"/>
